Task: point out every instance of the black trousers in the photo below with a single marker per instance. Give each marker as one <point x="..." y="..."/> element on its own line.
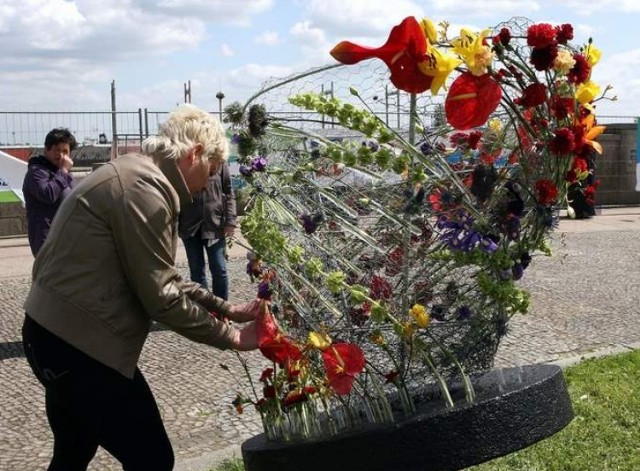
<point x="89" y="405"/>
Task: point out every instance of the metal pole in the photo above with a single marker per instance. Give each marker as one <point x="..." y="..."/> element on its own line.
<point x="412" y="118"/>
<point x="114" y="122"/>
<point x="386" y="104"/>
<point x="220" y="97"/>
<point x="146" y="122"/>
<point x="398" y="106"/>
<point x="140" y="132"/>
<point x="322" y="116"/>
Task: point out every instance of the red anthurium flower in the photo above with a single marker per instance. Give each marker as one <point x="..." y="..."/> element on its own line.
<point x="273" y="344"/>
<point x="403" y="51"/>
<point x="343" y="361"/>
<point x="471" y="100"/>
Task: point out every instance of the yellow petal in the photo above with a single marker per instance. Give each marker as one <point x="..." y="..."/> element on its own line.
<point x="587" y="92"/>
<point x="319" y="340"/>
<point x="439" y="66"/>
<point x="429" y="30"/>
<point x="593" y="55"/>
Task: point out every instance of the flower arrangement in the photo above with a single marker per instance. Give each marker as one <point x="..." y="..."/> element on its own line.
<point x="389" y="261"/>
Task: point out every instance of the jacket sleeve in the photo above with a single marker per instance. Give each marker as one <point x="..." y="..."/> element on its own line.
<point x="230" y="215"/>
<point x="45" y="186"/>
<point x="143" y="226"/>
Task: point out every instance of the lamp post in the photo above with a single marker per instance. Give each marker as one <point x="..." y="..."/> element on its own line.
<point x="220" y="97"/>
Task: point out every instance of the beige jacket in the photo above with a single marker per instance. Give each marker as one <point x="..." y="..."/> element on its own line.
<point x="107" y="268"/>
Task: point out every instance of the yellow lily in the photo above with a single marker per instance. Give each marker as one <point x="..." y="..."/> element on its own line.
<point x="429" y="30"/>
<point x="438" y="65"/>
<point x="591" y="132"/>
<point x="319" y="340"/>
<point x="592" y="54"/>
<point x="587" y="92"/>
<point x="471" y="48"/>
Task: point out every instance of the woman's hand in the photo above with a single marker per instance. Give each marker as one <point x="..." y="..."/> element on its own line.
<point x="246" y="339"/>
<point x="245" y="312"/>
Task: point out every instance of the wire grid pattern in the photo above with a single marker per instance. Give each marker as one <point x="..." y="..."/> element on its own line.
<point x="366" y="230"/>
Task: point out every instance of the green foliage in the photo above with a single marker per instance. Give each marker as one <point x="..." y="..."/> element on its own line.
<point x="605" y="432"/>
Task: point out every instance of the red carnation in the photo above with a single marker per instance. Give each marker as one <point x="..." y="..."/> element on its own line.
<point x="504" y="36"/>
<point x="534" y="95"/>
<point x="579" y="166"/>
<point x="541" y="35"/>
<point x="542" y="57"/>
<point x="380" y="288"/>
<point x="546" y="192"/>
<point x="563" y="142"/>
<point x="564" y="33"/>
<point x="562" y="107"/>
<point x="581" y="70"/>
<point x="590" y="193"/>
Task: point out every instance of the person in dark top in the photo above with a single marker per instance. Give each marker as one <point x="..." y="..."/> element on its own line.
<point x="203" y="227"/>
<point x="47" y="182"/>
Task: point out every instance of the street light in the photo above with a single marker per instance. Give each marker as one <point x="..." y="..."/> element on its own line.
<point x="220" y="97"/>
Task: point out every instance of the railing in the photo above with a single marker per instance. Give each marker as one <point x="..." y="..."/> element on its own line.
<point x="27" y="128"/>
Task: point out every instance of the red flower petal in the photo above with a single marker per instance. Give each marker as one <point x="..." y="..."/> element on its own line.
<point x="405" y="48"/>
<point x="343" y="361"/>
<point x="471" y="100"/>
<point x="273" y="344"/>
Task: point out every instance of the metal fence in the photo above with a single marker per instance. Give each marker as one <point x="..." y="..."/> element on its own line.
<point x="26" y="128"/>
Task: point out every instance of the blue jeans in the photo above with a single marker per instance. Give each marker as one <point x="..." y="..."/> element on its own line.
<point x="196" y="248"/>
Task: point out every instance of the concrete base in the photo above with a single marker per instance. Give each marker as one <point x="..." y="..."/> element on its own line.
<point x="514" y="409"/>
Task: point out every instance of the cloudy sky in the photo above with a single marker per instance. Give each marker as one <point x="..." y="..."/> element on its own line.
<point x="60" y="55"/>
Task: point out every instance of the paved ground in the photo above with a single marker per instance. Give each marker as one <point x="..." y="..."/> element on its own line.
<point x="585" y="298"/>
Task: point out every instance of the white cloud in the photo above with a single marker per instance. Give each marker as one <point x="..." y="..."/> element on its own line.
<point x="270" y="38"/>
<point x="621" y="72"/>
<point x="360" y="18"/>
<point x="213" y="10"/>
<point x="226" y="50"/>
<point x="306" y="35"/>
<point x="590" y="8"/>
<point x="484" y="8"/>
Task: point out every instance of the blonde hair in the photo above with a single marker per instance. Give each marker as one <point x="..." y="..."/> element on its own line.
<point x="185" y="127"/>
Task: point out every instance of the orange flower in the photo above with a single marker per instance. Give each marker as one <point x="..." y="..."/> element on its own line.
<point x="404" y="50"/>
<point x="591" y="132"/>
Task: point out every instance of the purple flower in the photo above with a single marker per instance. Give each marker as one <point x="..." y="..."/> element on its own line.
<point x="464" y="313"/>
<point x="235" y="139"/>
<point x="488" y="245"/>
<point x="426" y="148"/>
<point x="517" y="271"/>
<point x="308" y="224"/>
<point x="259" y="164"/>
<point x="245" y="170"/>
<point x="264" y="290"/>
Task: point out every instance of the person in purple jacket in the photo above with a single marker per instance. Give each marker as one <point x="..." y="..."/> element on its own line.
<point x="47" y="182"/>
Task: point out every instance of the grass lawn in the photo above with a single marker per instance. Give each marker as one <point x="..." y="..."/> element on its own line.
<point x="604" y="435"/>
<point x="7" y="196"/>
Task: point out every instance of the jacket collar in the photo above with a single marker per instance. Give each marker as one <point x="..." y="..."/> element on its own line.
<point x="170" y="169"/>
<point x="42" y="160"/>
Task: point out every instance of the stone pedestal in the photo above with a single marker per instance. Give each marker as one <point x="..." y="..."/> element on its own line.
<point x="514" y="408"/>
